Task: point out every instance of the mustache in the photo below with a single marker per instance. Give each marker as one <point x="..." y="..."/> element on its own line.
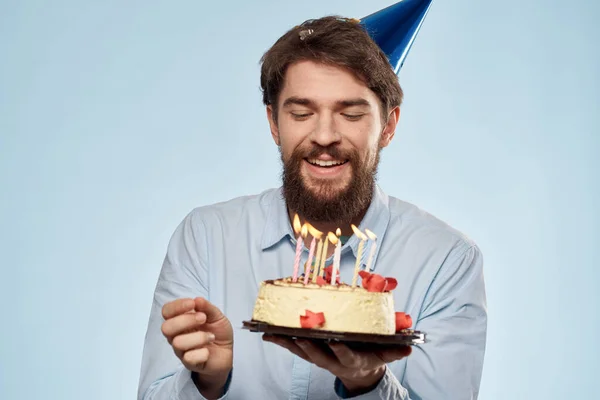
<point x="317" y="150"/>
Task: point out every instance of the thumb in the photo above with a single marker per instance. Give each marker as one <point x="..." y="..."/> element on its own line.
<point x="213" y="314"/>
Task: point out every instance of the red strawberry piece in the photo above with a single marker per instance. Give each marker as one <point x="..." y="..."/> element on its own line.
<point x="329" y="273"/>
<point x="376" y="283"/>
<point x="366" y="278"/>
<point x="391" y="284"/>
<point x="321" y="281"/>
<point x="312" y="320"/>
<point x="403" y="321"/>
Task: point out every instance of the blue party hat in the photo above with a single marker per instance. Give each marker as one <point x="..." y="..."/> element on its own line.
<point x="395" y="28"/>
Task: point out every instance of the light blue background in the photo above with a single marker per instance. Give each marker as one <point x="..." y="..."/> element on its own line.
<point x="117" y="118"/>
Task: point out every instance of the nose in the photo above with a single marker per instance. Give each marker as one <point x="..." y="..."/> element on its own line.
<point x="325" y="132"/>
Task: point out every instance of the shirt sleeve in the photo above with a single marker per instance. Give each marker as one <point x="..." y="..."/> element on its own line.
<point x="183" y="275"/>
<point x="454" y="317"/>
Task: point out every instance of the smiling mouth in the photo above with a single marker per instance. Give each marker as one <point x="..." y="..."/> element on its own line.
<point x="325" y="164"/>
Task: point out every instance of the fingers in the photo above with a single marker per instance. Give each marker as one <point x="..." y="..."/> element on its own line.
<point x="396" y="353"/>
<point x="195" y="359"/>
<point x="318" y="356"/>
<point x="213" y="314"/>
<point x="182" y="324"/>
<point x="353" y="359"/>
<point x="177" y="307"/>
<point x="288" y="344"/>
<point x="341" y="358"/>
<point x="191" y="341"/>
<point x="347" y="357"/>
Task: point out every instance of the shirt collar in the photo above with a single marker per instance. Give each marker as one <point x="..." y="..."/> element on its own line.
<point x="277" y="225"/>
<point x="376" y="219"/>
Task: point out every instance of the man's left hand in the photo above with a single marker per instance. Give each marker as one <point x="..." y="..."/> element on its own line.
<point x="359" y="371"/>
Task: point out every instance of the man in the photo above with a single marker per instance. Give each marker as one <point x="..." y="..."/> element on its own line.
<point x="333" y="104"/>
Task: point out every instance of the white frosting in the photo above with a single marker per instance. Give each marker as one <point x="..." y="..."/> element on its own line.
<point x="346" y="309"/>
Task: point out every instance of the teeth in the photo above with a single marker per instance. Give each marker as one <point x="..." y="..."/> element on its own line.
<point x="322" y="163"/>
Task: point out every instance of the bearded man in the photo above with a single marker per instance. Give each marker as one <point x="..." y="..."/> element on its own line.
<point x="333" y="103"/>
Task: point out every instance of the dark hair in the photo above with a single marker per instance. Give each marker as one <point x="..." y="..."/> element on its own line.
<point x="334" y="41"/>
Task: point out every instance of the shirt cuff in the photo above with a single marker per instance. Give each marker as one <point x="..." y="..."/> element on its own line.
<point x="185" y="388"/>
<point x="388" y="388"/>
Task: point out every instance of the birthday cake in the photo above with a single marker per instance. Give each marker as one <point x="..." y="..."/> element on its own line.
<point x="318" y="300"/>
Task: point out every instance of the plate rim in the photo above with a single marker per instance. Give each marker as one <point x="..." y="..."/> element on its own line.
<point x="405" y="337"/>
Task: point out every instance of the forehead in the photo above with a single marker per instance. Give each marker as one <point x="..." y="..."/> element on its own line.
<point x="323" y="84"/>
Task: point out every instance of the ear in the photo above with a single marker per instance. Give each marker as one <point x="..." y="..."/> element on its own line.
<point x="390" y="127"/>
<point x="273" y="125"/>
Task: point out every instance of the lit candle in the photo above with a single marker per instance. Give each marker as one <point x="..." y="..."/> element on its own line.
<point x="317" y="257"/>
<point x="311" y="252"/>
<point x="321" y="269"/>
<point x="331" y="237"/>
<point x="336" y="256"/>
<point x="301" y="232"/>
<point x="373" y="239"/>
<point x="361" y="246"/>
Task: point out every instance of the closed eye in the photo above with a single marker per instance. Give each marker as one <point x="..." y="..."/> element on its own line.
<point x="301" y="116"/>
<point x="353" y="117"/>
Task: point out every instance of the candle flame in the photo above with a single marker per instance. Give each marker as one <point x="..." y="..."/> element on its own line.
<point x="297" y="225"/>
<point x="358" y="233"/>
<point x="370" y="234"/>
<point x="304" y="231"/>
<point x="332" y="238"/>
<point x="338" y="232"/>
<point x="314" y="232"/>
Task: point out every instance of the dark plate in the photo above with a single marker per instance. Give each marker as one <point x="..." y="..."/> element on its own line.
<point x="357" y="341"/>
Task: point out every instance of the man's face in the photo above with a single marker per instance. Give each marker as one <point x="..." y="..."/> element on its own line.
<point x="329" y="130"/>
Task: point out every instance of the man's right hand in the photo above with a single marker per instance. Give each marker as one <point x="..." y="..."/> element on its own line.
<point x="202" y="339"/>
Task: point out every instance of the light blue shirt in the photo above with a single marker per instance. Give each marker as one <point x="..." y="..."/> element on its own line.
<point x="224" y="251"/>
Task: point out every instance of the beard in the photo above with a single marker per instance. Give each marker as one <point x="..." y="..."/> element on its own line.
<point x="325" y="201"/>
